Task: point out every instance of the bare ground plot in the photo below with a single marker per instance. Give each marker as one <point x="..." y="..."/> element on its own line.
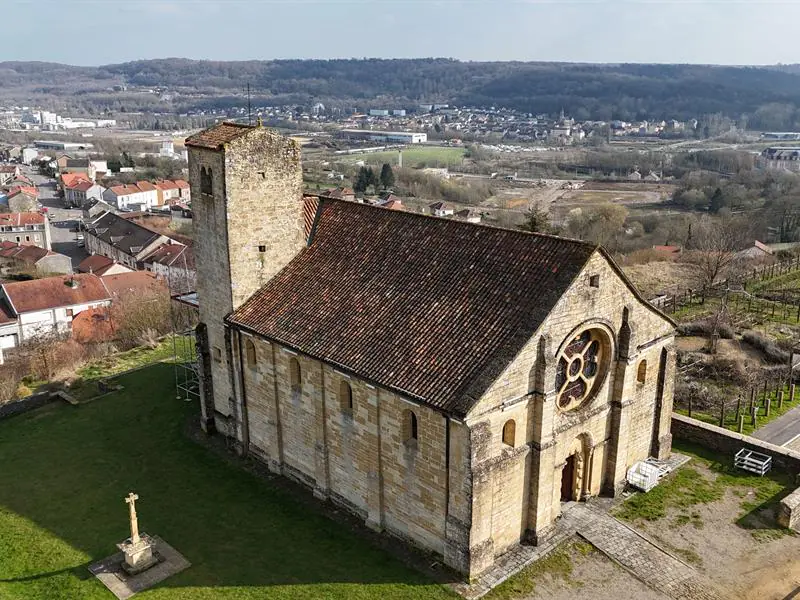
<point x="664" y="189"/>
<point x="722" y="523"/>
<point x="656" y="278"/>
<point x="520" y="197"/>
<point x="726" y="349"/>
<point x="574" y="571"/>
<point x="596" y="577"/>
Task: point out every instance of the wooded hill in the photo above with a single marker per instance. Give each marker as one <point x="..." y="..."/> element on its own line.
<point x="768" y="95"/>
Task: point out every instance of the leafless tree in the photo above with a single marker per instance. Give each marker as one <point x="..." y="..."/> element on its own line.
<point x="715" y="243"/>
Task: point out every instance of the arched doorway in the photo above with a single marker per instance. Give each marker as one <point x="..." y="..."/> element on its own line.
<point x="576" y="472"/>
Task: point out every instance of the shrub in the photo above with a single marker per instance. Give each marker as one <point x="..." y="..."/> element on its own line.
<point x="706" y="328"/>
<point x="772" y="352"/>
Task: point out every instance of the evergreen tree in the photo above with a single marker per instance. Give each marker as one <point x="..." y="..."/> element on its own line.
<point x="362" y="181"/>
<point x="387" y="176"/>
<point x="537" y="221"/>
<point x="717" y="201"/>
<point x="372" y="179"/>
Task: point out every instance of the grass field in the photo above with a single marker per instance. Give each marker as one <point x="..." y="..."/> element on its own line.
<point x="66" y="469"/>
<point x="423" y="156"/>
<point x="687" y="488"/>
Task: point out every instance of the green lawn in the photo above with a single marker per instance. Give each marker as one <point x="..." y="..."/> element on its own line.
<point x="688" y="487"/>
<point x="65" y="470"/>
<point x="88" y="375"/>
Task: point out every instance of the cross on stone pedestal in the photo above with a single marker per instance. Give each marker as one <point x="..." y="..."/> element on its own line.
<point x="131" y="499"/>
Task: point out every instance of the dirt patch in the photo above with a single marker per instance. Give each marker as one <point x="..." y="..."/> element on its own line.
<point x="663" y="277"/>
<point x="774" y="580"/>
<point x="727" y="349"/>
<point x="665" y="190"/>
<point x="593" y="576"/>
<point x="711" y="538"/>
<point x="691" y="343"/>
<point x="740" y="352"/>
<point x="624" y="197"/>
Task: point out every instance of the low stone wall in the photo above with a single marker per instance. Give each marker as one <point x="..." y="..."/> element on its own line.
<point x="729" y="443"/>
<point x="789" y="511"/>
<point x="25" y="404"/>
<point x="33" y="402"/>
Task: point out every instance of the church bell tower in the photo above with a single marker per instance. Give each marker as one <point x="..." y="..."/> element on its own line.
<point x="247" y="194"/>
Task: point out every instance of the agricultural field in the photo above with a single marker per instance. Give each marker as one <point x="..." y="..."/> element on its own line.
<point x="413" y="157"/>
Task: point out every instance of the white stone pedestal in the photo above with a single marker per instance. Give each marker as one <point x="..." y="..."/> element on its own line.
<point x="138" y="555"/>
<point x="111" y="572"/>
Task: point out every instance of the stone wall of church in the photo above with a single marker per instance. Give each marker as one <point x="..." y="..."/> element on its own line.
<point x="612" y="431"/>
<point x="213" y="266"/>
<point x="358" y="457"/>
<point x="246" y="230"/>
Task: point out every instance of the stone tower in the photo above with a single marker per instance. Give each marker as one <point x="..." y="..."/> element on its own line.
<point x="247" y="196"/>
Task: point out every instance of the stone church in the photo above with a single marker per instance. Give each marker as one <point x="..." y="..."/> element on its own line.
<point x="452" y="384"/>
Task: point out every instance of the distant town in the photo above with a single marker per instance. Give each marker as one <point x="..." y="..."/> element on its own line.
<point x="501" y="343"/>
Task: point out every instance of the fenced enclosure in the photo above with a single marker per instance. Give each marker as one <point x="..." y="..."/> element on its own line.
<point x="768" y="291"/>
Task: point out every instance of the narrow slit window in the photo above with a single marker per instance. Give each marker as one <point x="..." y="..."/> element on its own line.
<point x="250" y="353"/>
<point x="509" y="433"/>
<point x="294" y="375"/>
<point x="410" y="427"/>
<point x="345" y="396"/>
<point x="641" y="372"/>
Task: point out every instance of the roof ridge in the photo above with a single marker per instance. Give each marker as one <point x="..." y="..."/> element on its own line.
<point x="456" y="222"/>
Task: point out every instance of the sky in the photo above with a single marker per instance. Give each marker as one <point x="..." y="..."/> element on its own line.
<point x="96" y="32"/>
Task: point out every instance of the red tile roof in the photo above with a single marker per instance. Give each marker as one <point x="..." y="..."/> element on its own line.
<point x="216" y="137"/>
<point x="310" y="204"/>
<point x="21" y="219"/>
<point x="134" y="283"/>
<point x="171" y="255"/>
<point x="55" y="292"/>
<point x="96" y="263"/>
<point x="93" y="325"/>
<point x="6" y="314"/>
<point x="432" y="308"/>
<point x="23" y="189"/>
<point x="125" y="190"/>
<point x="184" y="185"/>
<point x="146" y="186"/>
<point x="70" y="179"/>
<point x="27" y="254"/>
<point x="82" y="186"/>
<point x="392" y="205"/>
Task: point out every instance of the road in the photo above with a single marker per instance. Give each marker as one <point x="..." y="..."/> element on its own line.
<point x="782" y="430"/>
<point x="62" y="220"/>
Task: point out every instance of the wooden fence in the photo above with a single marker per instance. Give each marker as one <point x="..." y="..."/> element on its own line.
<point x="785" y="307"/>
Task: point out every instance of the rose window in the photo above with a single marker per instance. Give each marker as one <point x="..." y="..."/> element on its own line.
<point x="579" y="370"/>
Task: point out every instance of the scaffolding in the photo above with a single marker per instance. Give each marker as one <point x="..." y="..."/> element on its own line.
<point x="187" y="376"/>
<point x="184" y="310"/>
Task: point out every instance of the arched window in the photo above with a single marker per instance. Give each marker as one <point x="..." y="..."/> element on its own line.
<point x="345" y="396"/>
<point x="509" y="433"/>
<point x="206" y="181"/>
<point x="250" y="353"/>
<point x="641" y="372"/>
<point x="409" y="426"/>
<point x="294" y="375"/>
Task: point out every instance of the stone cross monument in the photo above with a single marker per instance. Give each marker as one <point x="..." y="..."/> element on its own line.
<point x="138" y="549"/>
<point x="131" y="501"/>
